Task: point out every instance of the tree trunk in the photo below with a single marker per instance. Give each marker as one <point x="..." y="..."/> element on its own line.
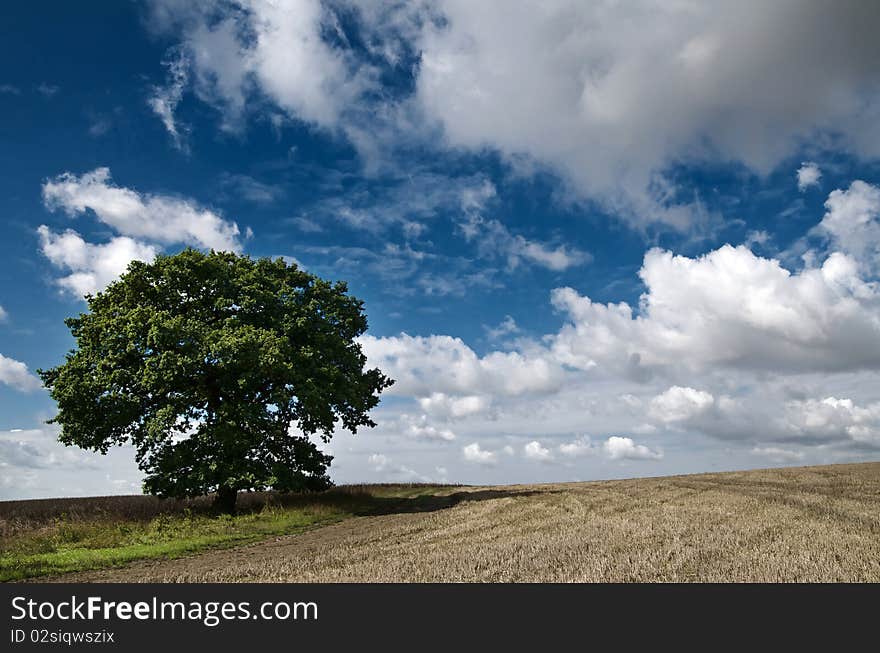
<point x="225" y="499"/>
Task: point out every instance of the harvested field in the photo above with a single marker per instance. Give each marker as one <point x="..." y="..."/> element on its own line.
<point x="796" y="524"/>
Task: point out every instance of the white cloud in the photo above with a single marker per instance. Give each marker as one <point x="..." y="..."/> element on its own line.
<point x="495" y="239"/>
<point x="165" y="99"/>
<point x="439" y="404"/>
<point x="679" y="404"/>
<point x="161" y="218"/>
<point x="611" y="95"/>
<point x="618" y="448"/>
<point x="91" y="267"/>
<point x="507" y="327"/>
<point x="534" y="450"/>
<point x="474" y="454"/>
<point x="307" y="226"/>
<point x="728" y="345"/>
<point x="833" y="419"/>
<point x="34" y="464"/>
<point x="421" y="429"/>
<point x="808" y="175"/>
<point x="727" y="308"/>
<point x="557" y="258"/>
<point x="277" y="47"/>
<point x="613" y="448"/>
<point x="852" y="221"/>
<point x="39" y="449"/>
<point x="423" y="366"/>
<point x="778" y="455"/>
<point x="408" y="202"/>
<point x="3" y="314"/>
<point x="16" y="375"/>
<point x="378" y="461"/>
<point x="581" y="446"/>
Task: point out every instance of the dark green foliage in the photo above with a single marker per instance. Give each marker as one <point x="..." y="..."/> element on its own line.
<point x="204" y="361"/>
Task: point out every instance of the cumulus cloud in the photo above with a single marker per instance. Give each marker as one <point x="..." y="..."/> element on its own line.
<point x="808" y="175"/>
<point x="16" y="375"/>
<point x="534" y="450"/>
<point x="424" y="365"/>
<point x="833" y="419"/>
<point x="852" y="221"/>
<point x="160" y="218"/>
<point x="3" y="314"/>
<point x="473" y="453"/>
<point x="420" y="428"/>
<point x="613" y="448"/>
<point x="618" y="448"/>
<point x="679" y="404"/>
<point x="581" y="446"/>
<point x="444" y="406"/>
<point x="90" y="266"/>
<point x="730" y="308"/>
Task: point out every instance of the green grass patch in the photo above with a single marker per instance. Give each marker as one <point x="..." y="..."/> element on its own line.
<point x="66" y="543"/>
<point x="94" y="545"/>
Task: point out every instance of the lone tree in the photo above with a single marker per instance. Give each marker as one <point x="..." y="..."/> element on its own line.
<point x="217" y="368"/>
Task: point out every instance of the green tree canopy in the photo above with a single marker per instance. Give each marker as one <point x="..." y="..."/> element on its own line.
<point x="208" y="364"/>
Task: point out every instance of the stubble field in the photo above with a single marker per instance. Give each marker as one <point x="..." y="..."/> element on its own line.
<point x="796" y="524"/>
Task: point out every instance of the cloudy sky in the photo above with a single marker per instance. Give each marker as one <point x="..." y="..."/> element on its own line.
<point x="595" y="239"/>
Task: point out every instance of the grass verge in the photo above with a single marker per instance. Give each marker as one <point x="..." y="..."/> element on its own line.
<point x="77" y="542"/>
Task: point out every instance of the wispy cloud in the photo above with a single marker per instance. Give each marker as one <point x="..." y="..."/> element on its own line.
<point x="494" y="239"/>
<point x="165" y="99"/>
<point x="47" y="90"/>
<point x="251" y="189"/>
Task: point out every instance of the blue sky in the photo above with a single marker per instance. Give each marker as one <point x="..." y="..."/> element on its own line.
<point x="496" y="180"/>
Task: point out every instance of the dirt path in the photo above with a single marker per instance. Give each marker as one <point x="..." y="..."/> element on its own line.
<point x="807" y="524"/>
